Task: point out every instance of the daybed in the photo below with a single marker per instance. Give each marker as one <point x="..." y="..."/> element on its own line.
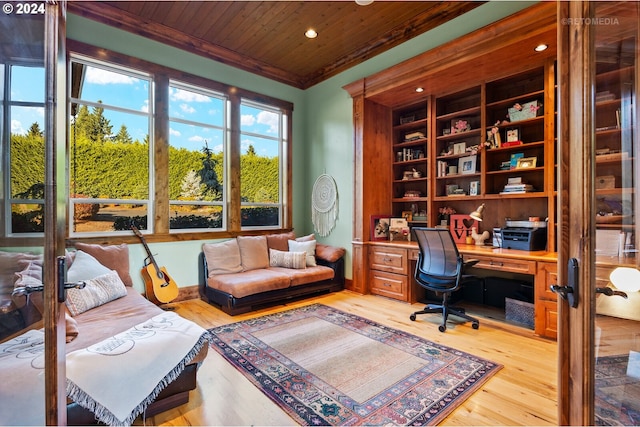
<point x="103" y="310"/>
<point x="249" y="272"/>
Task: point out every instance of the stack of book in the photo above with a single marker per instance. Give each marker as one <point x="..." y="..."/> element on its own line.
<point x="517" y="188"/>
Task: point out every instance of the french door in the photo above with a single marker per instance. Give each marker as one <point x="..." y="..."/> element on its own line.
<point x="33" y="118"/>
<point x="598" y="204"/>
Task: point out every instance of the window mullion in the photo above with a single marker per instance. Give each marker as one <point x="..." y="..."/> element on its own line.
<point x="161" y="155"/>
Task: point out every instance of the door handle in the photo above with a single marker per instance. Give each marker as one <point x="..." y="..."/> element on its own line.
<point x="610" y="292"/>
<point x="569" y="292"/>
<point x="61" y="284"/>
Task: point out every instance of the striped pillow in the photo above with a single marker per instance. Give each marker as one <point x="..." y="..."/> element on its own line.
<point x="287" y="259"/>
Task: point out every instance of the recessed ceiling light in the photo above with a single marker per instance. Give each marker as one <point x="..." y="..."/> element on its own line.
<point x="311" y="33"/>
<point x="364" y="2"/>
<point x="419" y="89"/>
<point x="541" y="47"/>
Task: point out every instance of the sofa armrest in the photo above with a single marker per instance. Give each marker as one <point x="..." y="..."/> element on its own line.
<point x="329" y="253"/>
<point x="337" y="267"/>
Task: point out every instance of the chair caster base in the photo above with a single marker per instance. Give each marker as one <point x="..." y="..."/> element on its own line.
<point x="412" y="317"/>
<point x="475" y="325"/>
<point x="442" y="328"/>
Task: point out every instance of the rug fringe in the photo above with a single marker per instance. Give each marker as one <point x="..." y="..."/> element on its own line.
<point x="105" y="416"/>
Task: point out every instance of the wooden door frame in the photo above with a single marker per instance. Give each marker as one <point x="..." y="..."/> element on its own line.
<point x="576" y="206"/>
<point x="55" y="212"/>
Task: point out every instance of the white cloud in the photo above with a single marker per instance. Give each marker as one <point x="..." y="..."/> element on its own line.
<point x="270" y="119"/>
<point x="187" y="108"/>
<point x="247" y="120"/>
<point x="196" y="138"/>
<point x="145" y="106"/>
<point x="173" y="132"/>
<point x="16" y="127"/>
<point x="187" y="96"/>
<point x="104" y="77"/>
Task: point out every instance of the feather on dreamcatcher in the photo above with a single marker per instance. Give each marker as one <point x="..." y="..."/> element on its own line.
<point x="324" y="205"/>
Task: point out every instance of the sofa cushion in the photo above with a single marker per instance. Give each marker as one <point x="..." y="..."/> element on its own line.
<point x="249" y="282"/>
<point x="85" y="267"/>
<point x="308" y="275"/>
<point x="280" y="241"/>
<point x="114" y="257"/>
<point x="307" y="246"/>
<point x="253" y="252"/>
<point x="287" y="259"/>
<point x="329" y="253"/>
<point x="98" y="291"/>
<point x="223" y="257"/>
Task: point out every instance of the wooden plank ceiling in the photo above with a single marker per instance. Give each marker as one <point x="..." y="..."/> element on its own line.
<point x="267" y="37"/>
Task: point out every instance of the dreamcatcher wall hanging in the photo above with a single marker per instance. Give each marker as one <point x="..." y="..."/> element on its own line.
<point x="324" y="205"/>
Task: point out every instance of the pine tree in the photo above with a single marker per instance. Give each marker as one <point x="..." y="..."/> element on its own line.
<point x="209" y="178"/>
<point x="191" y="186"/>
<point x="34" y="131"/>
<point x="123" y="135"/>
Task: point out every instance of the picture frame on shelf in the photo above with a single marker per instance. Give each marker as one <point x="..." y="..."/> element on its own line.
<point x="407" y="215"/>
<point x="526" y="162"/>
<point x="380" y="225"/>
<point x="513" y="134"/>
<point x="493" y="137"/>
<point x="514" y="159"/>
<point x="460" y="226"/>
<point x="474" y="188"/>
<point x="459" y="148"/>
<point x="460" y="125"/>
<point x="467" y="165"/>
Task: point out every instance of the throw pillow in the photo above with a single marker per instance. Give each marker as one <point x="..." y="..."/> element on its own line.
<point x="98" y="291"/>
<point x="253" y="252"/>
<point x="223" y="257"/>
<point x="309" y="247"/>
<point x="31" y="275"/>
<point x="279" y="241"/>
<point x="287" y="259"/>
<point x="85" y="267"/>
<point x="10" y="264"/>
<point x="306" y="238"/>
<point x="114" y="257"/>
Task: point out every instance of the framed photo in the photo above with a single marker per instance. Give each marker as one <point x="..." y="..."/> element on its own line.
<point x="474" y="187"/>
<point x="380" y="225"/>
<point x="513" y="135"/>
<point x="493" y="137"/>
<point x="407" y="215"/>
<point x="459" y="148"/>
<point x="526" y="162"/>
<point x="467" y="165"/>
<point x="398" y="223"/>
<point x="460" y="125"/>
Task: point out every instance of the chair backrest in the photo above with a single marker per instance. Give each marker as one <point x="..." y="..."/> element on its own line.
<point x="439" y="261"/>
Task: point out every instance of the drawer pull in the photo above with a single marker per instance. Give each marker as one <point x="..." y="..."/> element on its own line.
<point x="388" y="285"/>
<point x="499" y="264"/>
<point x="387" y="259"/>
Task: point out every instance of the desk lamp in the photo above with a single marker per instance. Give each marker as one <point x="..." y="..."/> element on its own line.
<point x="478" y="213"/>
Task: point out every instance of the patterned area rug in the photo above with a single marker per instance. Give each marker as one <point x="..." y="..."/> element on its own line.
<point x="327" y="367"/>
<point x="617" y="393"/>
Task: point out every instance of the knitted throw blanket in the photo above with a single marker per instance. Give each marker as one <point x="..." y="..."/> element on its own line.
<point x="119" y="377"/>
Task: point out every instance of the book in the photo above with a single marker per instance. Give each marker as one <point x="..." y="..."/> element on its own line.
<point x="514" y="159"/>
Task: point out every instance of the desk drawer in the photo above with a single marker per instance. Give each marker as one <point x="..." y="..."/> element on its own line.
<point x="389" y="285"/>
<point x="393" y="260"/>
<point x="504" y="264"/>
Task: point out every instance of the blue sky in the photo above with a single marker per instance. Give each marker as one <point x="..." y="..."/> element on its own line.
<point x="196" y="117"/>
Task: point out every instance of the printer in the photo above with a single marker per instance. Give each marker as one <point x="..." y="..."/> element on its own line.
<point x="524" y="235"/>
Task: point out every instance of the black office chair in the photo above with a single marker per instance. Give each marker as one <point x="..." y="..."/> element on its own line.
<point x="440" y="269"/>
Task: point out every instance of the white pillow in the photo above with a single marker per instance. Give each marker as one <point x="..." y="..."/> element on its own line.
<point x="97" y="291"/>
<point x="309" y="247"/>
<point x="85" y="267"/>
<point x="287" y="259"/>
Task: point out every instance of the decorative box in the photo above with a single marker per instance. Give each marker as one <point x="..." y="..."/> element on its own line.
<point x="519" y="312"/>
<point x="528" y="110"/>
<point x="605" y="181"/>
<point x="399" y="234"/>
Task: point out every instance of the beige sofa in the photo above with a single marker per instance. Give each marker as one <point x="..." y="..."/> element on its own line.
<point x="248" y="272"/>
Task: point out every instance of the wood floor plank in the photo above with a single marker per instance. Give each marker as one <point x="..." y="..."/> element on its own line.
<point x="523" y="392"/>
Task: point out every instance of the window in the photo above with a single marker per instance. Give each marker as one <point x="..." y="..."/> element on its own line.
<point x="197" y="142"/>
<point x="171" y="152"/>
<point x="110" y="142"/>
<point x="262" y="139"/>
<point x="22" y="111"/>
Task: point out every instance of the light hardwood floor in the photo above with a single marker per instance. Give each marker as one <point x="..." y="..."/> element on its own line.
<point x="522" y="393"/>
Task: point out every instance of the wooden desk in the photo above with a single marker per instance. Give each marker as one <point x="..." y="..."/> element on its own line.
<point x="388" y="271"/>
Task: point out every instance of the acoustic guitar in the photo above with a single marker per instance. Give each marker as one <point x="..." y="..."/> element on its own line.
<point x="159" y="286"/>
